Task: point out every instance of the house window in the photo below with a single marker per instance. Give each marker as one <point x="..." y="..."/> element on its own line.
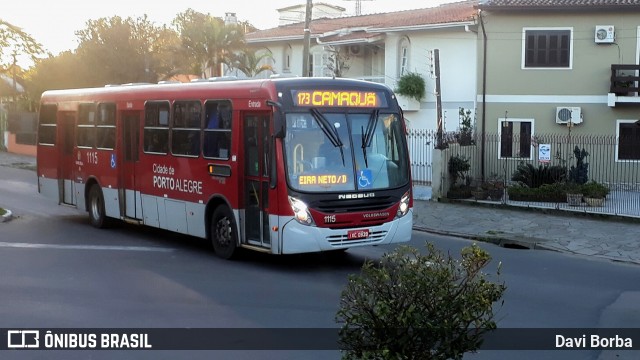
<point x="628" y="133"/>
<point x="319" y="63"/>
<point x="288" y="54"/>
<point x="515" y="138"/>
<point x="547" y="48"/>
<point x="403" y="61"/>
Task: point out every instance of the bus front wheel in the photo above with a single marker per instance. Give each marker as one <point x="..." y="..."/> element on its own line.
<point x="97" y="215"/>
<point x="224" y="235"/>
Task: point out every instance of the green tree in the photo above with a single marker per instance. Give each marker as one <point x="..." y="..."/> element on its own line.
<point x="207" y="42"/>
<point x="415" y="306"/>
<point x="251" y="61"/>
<point x="13" y="40"/>
<point x="65" y="71"/>
<point x="15" y="44"/>
<point x="126" y="50"/>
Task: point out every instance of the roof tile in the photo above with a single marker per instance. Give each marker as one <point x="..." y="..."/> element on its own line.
<point x="557" y="4"/>
<point x="447" y="13"/>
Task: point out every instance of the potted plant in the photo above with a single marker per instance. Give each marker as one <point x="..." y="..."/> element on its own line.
<point x="494" y="186"/>
<point x="412" y="89"/>
<point x="622" y="84"/>
<point x="480" y="193"/>
<point x="594" y="193"/>
<point x="574" y="194"/>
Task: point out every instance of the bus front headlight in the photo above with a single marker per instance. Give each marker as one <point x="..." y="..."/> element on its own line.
<point x="403" y="209"/>
<point x="301" y="211"/>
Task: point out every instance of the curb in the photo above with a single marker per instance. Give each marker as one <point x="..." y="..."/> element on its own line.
<point x="8" y="215"/>
<point x="522" y="243"/>
<point x="502" y="241"/>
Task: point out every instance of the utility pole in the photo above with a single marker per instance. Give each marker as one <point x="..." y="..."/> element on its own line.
<point x="15" y="90"/>
<point x="436" y="62"/>
<point x="307" y="39"/>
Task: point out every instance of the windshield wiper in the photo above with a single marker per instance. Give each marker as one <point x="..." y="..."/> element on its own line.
<point x="329" y="130"/>
<point x="368" y="135"/>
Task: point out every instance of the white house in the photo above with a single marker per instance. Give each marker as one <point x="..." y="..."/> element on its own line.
<point x="381" y="47"/>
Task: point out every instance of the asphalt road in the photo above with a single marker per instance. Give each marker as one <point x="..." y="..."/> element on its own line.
<point x="58" y="272"/>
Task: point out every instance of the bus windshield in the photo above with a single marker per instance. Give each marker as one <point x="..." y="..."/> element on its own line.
<point x="345" y="151"/>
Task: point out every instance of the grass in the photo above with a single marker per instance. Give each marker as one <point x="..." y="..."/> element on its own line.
<point x="2" y="211"/>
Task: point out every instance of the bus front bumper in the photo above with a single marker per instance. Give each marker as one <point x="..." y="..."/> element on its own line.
<point x="298" y="238"/>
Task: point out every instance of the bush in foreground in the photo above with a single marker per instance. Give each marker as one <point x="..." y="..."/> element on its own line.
<point x="414" y="306"/>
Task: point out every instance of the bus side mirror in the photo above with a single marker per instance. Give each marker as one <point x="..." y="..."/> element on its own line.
<point x="278" y="119"/>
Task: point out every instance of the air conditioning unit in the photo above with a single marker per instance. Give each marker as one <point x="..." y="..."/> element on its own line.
<point x="564" y="114"/>
<point x="605" y="34"/>
<point x="355" y="50"/>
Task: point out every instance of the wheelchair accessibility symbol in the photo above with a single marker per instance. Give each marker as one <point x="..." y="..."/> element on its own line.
<point x="364" y="179"/>
<point x="113" y="161"/>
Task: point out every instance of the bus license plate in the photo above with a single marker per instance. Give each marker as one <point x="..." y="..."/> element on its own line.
<point x="357" y="234"/>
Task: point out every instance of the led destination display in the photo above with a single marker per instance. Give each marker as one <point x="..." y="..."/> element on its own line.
<point x="338" y="98"/>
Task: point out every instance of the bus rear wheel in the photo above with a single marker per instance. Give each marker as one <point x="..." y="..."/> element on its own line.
<point x="224" y="235"/>
<point x="97" y="215"/>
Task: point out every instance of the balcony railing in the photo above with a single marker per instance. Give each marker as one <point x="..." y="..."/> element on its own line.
<point x="625" y="80"/>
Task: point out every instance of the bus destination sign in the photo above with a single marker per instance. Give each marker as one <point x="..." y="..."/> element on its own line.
<point x="322" y="179"/>
<point x="338" y="98"/>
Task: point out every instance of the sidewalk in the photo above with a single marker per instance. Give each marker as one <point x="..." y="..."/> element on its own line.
<point x="578" y="234"/>
<point x="534" y="229"/>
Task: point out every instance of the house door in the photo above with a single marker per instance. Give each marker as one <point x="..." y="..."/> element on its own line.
<point x="67" y="156"/>
<point x="256" y="178"/>
<point x="130" y="154"/>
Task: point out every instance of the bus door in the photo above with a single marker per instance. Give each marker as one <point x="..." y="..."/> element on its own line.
<point x="256" y="144"/>
<point x="68" y="160"/>
<point x="130" y="200"/>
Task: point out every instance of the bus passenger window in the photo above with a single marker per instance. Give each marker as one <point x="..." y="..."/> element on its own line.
<point x="106" y="127"/>
<point x="156" y="127"/>
<point x="185" y="136"/>
<point x="217" y="132"/>
<point x="86" y="134"/>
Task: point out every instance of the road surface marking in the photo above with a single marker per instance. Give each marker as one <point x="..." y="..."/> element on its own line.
<point x="84" y="247"/>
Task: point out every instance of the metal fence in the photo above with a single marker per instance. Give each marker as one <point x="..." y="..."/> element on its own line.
<point x="610" y="160"/>
<point x="421" y="143"/>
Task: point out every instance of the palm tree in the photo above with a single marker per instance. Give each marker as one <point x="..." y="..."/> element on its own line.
<point x="251" y="61"/>
<point x="208" y="41"/>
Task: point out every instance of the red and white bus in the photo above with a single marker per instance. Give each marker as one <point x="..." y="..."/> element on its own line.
<point x="281" y="166"/>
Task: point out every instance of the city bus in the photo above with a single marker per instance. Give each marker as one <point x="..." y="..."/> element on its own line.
<point x="281" y="166"/>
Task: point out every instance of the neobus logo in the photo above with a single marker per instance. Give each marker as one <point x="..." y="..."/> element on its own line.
<point x="356" y="196"/>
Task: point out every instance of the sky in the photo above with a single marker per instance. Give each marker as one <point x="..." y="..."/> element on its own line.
<point x="54" y="23"/>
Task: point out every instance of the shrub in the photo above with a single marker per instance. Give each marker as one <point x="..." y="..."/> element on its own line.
<point x="457" y="167"/>
<point x="594" y="189"/>
<point x="534" y="177"/>
<point x="556" y="192"/>
<point x="579" y="173"/>
<point x="460" y="192"/>
<point x="414" y="306"/>
<point x="465" y="131"/>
